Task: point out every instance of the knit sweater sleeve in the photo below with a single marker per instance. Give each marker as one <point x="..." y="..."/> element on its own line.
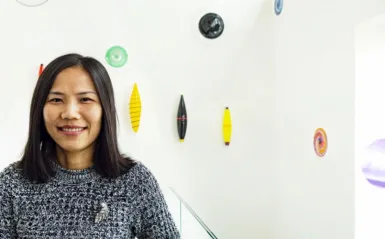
<point x="7" y="223"/>
<point x="155" y="222"/>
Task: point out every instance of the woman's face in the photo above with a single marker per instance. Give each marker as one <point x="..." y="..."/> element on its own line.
<point x="72" y="111"/>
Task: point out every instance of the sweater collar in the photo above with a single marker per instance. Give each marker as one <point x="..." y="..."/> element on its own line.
<point x="73" y="176"/>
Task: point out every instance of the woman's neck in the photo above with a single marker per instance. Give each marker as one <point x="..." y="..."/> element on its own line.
<point x="75" y="160"/>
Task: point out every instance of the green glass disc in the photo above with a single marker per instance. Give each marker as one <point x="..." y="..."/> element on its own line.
<point x="116" y="56"/>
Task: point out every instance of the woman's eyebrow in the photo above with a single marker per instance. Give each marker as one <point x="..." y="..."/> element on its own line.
<point x="80" y="93"/>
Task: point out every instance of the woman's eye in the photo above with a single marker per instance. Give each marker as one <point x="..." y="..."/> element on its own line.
<point x="55" y="100"/>
<point x="85" y="99"/>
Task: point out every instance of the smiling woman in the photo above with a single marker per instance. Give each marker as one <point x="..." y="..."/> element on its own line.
<point x="73" y="116"/>
<point x="72" y="181"/>
<point x="73" y="91"/>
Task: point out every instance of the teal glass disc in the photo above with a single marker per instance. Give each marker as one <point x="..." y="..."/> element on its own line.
<point x="116" y="56"/>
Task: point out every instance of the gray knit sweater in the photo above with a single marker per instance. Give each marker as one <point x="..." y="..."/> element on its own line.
<point x="82" y="204"/>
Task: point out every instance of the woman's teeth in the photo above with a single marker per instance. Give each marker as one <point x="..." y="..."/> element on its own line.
<point x="72" y="129"/>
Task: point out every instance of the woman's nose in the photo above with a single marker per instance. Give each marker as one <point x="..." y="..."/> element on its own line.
<point x="70" y="111"/>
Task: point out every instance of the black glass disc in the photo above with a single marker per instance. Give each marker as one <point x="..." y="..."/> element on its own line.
<point x="211" y="25"/>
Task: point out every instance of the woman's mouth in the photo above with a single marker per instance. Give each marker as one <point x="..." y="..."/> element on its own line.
<point x="72" y="130"/>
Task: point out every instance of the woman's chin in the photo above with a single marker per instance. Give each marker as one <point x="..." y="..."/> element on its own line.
<point x="72" y="148"/>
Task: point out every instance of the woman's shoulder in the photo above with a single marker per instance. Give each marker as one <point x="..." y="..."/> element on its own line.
<point x="139" y="170"/>
<point x="10" y="176"/>
<point x="10" y="171"/>
<point x="140" y="174"/>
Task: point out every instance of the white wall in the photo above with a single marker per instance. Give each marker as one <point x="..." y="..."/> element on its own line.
<point x="314" y="87"/>
<point x="282" y="78"/>
<point x="370" y="73"/>
<point x="228" y="187"/>
<point x="367" y="9"/>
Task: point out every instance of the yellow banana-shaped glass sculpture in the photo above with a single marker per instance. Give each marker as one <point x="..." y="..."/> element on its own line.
<point x="135" y="108"/>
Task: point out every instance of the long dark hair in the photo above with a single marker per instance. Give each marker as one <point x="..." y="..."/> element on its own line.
<point x="108" y="161"/>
